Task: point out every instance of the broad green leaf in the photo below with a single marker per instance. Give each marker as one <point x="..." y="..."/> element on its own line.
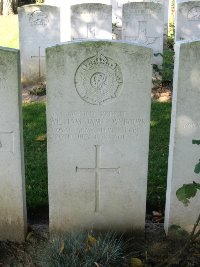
<point x="178" y="231"/>
<point x="197" y="167"/>
<point x="197" y="185"/>
<point x="186" y="192"/>
<point x="196" y="142"/>
<point x="174" y="227"/>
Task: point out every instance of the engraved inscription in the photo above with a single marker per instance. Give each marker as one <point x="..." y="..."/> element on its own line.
<point x="38" y="17"/>
<point x="98" y="127"/>
<point x="194" y="13"/>
<point x="191" y="125"/>
<point x="141" y="11"/>
<point x="3" y="70"/>
<point x="2" y="83"/>
<point x="98" y="80"/>
<point x="6" y="142"/>
<point x="91" y="29"/>
<point x="142" y="36"/>
<point x="97" y="170"/>
<point x="39" y="57"/>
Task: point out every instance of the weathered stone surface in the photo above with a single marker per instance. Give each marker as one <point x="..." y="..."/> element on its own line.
<point x="75" y="2"/>
<point x="187" y="24"/>
<point x="39" y="27"/>
<point x="117" y="12"/>
<point x="184" y="154"/>
<point x="143" y="24"/>
<point x="91" y="21"/>
<point x="117" y="8"/>
<point x="12" y="191"/>
<point x="98" y="135"/>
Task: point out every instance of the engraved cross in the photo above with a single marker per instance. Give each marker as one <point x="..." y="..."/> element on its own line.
<point x="39" y="62"/>
<point x="97" y="171"/>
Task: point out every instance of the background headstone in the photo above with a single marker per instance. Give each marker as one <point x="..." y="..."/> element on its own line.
<point x="91" y="21"/>
<point x="39" y="27"/>
<point x="143" y="24"/>
<point x="117" y="11"/>
<point x="184" y="154"/>
<point x="98" y="135"/>
<point x="12" y="188"/>
<point x="187" y="25"/>
<point x="75" y="2"/>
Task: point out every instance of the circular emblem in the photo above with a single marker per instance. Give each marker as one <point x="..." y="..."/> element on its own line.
<point x="38" y="17"/>
<point x="98" y="80"/>
<point x="194" y="13"/>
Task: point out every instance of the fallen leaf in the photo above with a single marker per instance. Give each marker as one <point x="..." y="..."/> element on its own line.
<point x="135" y="262"/>
<point x="91" y="240"/>
<point x="29" y="236"/>
<point x="41" y="137"/>
<point x="62" y="246"/>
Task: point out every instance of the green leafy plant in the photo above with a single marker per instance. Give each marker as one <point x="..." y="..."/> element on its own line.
<point x="39" y="90"/>
<point x="184" y="194"/>
<point x="39" y="1"/>
<point x="188" y="191"/>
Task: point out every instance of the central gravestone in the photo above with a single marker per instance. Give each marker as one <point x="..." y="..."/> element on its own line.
<point x="91" y="21"/>
<point x="98" y="134"/>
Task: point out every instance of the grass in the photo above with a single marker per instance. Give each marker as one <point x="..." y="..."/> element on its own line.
<point x="35" y="150"/>
<point x="158" y="154"/>
<point x="36" y="156"/>
<point x="83" y="249"/>
<point x="9" y="34"/>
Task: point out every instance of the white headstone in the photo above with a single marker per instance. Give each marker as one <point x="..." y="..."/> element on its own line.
<point x="65" y="23"/>
<point x="91" y="21"/>
<point x="117" y="8"/>
<point x="75" y="2"/>
<point x="143" y="24"/>
<point x="187" y="21"/>
<point x="184" y="153"/>
<point x="12" y="189"/>
<point x="39" y="27"/>
<point x="98" y="134"/>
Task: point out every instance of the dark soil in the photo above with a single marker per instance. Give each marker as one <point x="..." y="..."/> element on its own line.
<point x="154" y="250"/>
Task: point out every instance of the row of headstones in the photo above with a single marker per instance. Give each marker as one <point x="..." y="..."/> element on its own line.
<point x="187" y="14"/>
<point x="98" y="120"/>
<point x="41" y="26"/>
<point x="116" y="6"/>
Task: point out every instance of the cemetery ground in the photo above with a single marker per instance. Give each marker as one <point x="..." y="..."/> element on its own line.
<point x="153" y="250"/>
